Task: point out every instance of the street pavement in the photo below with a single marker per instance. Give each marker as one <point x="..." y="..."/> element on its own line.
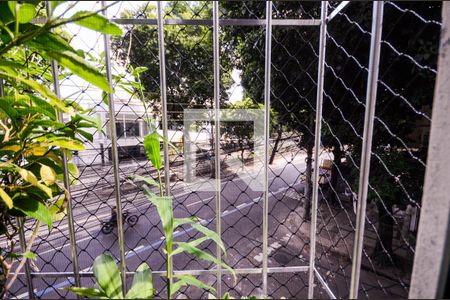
<point x="241" y="217"/>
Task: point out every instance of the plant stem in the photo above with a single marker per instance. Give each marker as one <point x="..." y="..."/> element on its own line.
<point x="24" y="259"/>
<point x="161" y="192"/>
<point x="16" y="25"/>
<point x="169" y="274"/>
<point x="168" y="249"/>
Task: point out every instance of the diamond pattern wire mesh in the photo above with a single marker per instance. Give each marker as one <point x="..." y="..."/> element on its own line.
<point x="189" y="68"/>
<point x="398" y="156"/>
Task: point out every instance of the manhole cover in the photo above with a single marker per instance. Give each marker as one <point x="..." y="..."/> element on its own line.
<point x="282" y="258"/>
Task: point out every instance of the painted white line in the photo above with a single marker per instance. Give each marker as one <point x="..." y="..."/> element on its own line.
<point x="200" y="201"/>
<point x="240" y="206"/>
<point x="155" y="244"/>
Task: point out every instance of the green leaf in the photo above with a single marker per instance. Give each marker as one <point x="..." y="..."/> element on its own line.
<point x="145" y="179"/>
<point x="29" y="255"/>
<point x="153" y="150"/>
<point x="41" y="89"/>
<point x="66" y="143"/>
<point x="6" y="16"/>
<point x="209" y="234"/>
<point x="97" y="22"/>
<point x="87" y="292"/>
<point x="189" y="248"/>
<point x="46" y="108"/>
<point x="94" y="120"/>
<point x="142" y="287"/>
<point x="74" y="173"/>
<point x="81" y="68"/>
<point x="34" y="209"/>
<point x="139" y="70"/>
<point x="184" y="280"/>
<point x="48" y="41"/>
<point x="28" y="176"/>
<point x="88" y="136"/>
<point x="6" y="198"/>
<point x="73" y="170"/>
<point x="6" y="107"/>
<point x="10" y="64"/>
<point x="48" y="175"/>
<point x="46" y="189"/>
<point x="193" y="243"/>
<point x="165" y="212"/>
<point x="26" y="12"/>
<point x="57" y="210"/>
<point x="108" y="276"/>
<point x="181" y="221"/>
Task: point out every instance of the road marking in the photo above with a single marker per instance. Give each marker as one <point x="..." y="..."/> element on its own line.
<point x="200" y="201"/>
<point x="272" y="247"/>
<point x="240" y="206"/>
<point x="157" y="243"/>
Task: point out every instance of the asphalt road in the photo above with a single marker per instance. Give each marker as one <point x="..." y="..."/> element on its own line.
<point x="241" y="215"/>
<point x="241" y="223"/>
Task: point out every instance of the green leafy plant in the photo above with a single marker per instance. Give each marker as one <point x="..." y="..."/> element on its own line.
<point x="163" y="204"/>
<point x="109" y="281"/>
<point x="34" y="138"/>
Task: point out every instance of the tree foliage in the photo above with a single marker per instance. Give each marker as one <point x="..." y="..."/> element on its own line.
<point x="189" y="58"/>
<point x="405" y="89"/>
<point x="34" y="138"/>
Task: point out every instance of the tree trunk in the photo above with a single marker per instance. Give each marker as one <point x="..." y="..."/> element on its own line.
<point x="383" y="253"/>
<point x="275" y="147"/>
<point x="241" y="146"/>
<point x="337" y="153"/>
<point x="212" y="157"/>
<point x="308" y="183"/>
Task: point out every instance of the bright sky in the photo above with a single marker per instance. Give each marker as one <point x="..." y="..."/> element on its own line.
<point x="92" y="42"/>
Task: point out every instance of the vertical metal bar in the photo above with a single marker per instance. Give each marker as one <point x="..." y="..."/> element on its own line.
<point x="163" y="88"/>
<point x="70" y="219"/>
<point x="2" y="90"/>
<point x="371" y="95"/>
<point x="317" y="139"/>
<point x="23" y="248"/>
<point x="267" y="65"/>
<point x="115" y="158"/>
<point x="216" y="58"/>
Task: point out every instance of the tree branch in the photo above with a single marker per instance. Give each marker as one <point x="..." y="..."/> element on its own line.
<point x="24" y="259"/>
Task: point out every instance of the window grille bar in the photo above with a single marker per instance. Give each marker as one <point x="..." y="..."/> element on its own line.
<point x="222" y="22"/>
<point x="371" y="95"/>
<point x="23" y="247"/>
<point x="115" y="157"/>
<point x="337" y="10"/>
<point x="66" y="177"/>
<point x="268" y="52"/>
<point x="324" y="285"/>
<point x="216" y="58"/>
<point x="317" y="139"/>
<point x="244" y="271"/>
<point x="163" y="89"/>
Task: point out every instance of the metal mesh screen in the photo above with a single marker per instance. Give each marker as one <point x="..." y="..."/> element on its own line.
<point x="409" y="46"/>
